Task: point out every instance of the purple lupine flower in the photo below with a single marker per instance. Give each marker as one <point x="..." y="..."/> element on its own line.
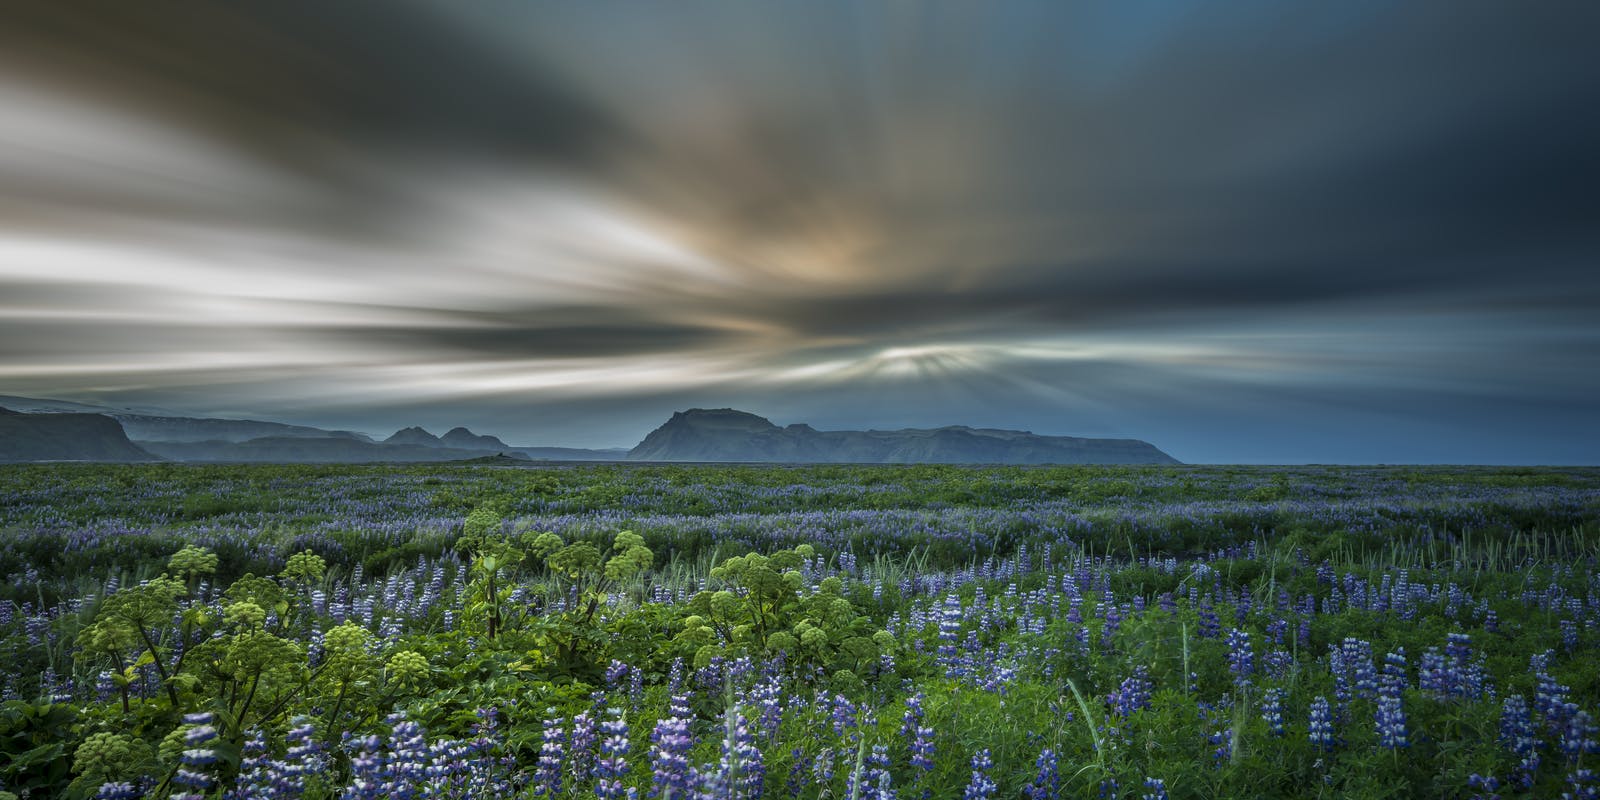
<point x="407" y="766"/>
<point x="1393" y="679"/>
<point x="118" y="790"/>
<point x="1277" y="630"/>
<point x="767" y="697"/>
<point x="366" y="768"/>
<point x="1155" y="789"/>
<point x="669" y="753"/>
<point x="922" y="749"/>
<point x="949" y="653"/>
<point x="1549" y="697"/>
<point x="1452" y="674"/>
<point x="1272" y="711"/>
<point x="1210" y="624"/>
<point x="842" y="712"/>
<point x="552" y="752"/>
<point x="1241" y="658"/>
<point x="1112" y="624"/>
<point x="1358" y="660"/>
<point x="871" y="779"/>
<point x="255" y="770"/>
<point x="580" y="753"/>
<point x="614" y="757"/>
<point x="741" y="773"/>
<point x="823" y="768"/>
<point x="1391" y="716"/>
<point x="1584" y="783"/>
<point x="1046" y="783"/>
<point x="193" y="773"/>
<point x="1486" y="787"/>
<point x="913" y="715"/>
<point x="799" y="764"/>
<point x="981" y="787"/>
<point x="616" y="673"/>
<point x="1320" y="729"/>
<point x="1518" y="735"/>
<point x="1220" y="733"/>
<point x="105" y="686"/>
<point x="1132" y="694"/>
<point x="1578" y="737"/>
<point x="1391" y="722"/>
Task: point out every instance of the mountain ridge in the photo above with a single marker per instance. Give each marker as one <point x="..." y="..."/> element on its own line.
<point x="695" y="434"/>
<point x="65" y="436"/>
<point x="727" y="434"/>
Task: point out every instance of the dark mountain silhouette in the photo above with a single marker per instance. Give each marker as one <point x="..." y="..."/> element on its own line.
<point x="726" y="434"/>
<point x="65" y="437"/>
<point x="329" y="450"/>
<point x="60" y="430"/>
<point x="413" y="436"/>
<point x="463" y="439"/>
<point x="161" y="425"/>
<point x="201" y="429"/>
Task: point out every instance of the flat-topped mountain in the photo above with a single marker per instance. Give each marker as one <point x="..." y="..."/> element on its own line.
<point x="726" y="434"/>
<point x="65" y="436"/>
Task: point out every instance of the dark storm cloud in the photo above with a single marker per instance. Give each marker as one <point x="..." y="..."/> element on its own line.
<point x="578" y="341"/>
<point x="276" y="75"/>
<point x="939" y="209"/>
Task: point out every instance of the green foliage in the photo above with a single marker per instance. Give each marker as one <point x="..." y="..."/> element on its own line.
<point x="305" y="567"/>
<point x="35" y="741"/>
<point x="768" y="609"/>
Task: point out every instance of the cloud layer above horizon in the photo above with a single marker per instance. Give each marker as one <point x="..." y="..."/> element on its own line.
<point x="1243" y="232"/>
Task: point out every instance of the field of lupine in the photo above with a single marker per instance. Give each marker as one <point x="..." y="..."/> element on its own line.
<point x="820" y="632"/>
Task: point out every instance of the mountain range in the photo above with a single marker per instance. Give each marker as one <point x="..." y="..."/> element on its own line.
<point x="726" y="434"/>
<point x="32" y="429"/>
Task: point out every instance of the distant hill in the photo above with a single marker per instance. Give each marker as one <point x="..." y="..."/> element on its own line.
<point x="64" y="436"/>
<point x="329" y="450"/>
<point x="464" y="439"/>
<point x="161" y="425"/>
<point x="201" y="429"/>
<point x="413" y="436"/>
<point x="726" y="434"/>
<point x="573" y="453"/>
<point x="457" y="438"/>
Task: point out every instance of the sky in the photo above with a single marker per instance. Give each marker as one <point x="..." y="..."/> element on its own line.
<point x="1250" y="232"/>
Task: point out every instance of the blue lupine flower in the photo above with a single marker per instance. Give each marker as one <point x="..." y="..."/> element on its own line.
<point x="981" y="787"/>
<point x="1241" y="658"/>
<point x="1272" y="711"/>
<point x="552" y="754"/>
<point x="1156" y="789"/>
<point x="1132" y="694"/>
<point x="1320" y="730"/>
<point x="1046" y="783"/>
<point x="613" y="760"/>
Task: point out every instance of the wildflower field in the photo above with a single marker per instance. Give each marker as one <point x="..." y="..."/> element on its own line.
<point x="820" y="632"/>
